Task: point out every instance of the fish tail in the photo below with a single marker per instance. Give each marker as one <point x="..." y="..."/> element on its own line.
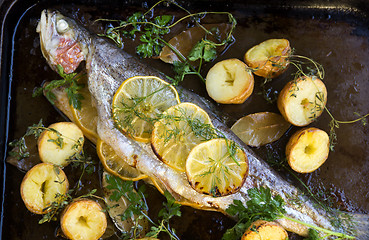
<point x="355" y="224"/>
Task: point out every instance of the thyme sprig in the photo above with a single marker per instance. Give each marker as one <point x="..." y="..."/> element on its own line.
<point x="20" y="149"/>
<point x="153" y="29"/>
<point x="86" y="164"/>
<point x="307" y="67"/>
<point x="263" y="205"/>
<point x="137" y="208"/>
<point x="77" y="160"/>
<point x="334" y="123"/>
<point x="60" y="202"/>
<point x="72" y="86"/>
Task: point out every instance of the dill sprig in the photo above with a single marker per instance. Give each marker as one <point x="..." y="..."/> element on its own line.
<point x="153" y="29"/>
<point x="173" y="128"/>
<point x="72" y="86"/>
<point x="135" y="107"/>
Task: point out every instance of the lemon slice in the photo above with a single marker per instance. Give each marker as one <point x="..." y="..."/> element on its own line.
<point x="138" y="103"/>
<point x="86" y="117"/>
<point x="116" y="165"/>
<point x="179" y="130"/>
<point x="212" y="170"/>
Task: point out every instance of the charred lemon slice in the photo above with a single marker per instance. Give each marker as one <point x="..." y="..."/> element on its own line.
<point x="217" y="167"/>
<point x="179" y="130"/>
<point x="86" y="117"/>
<point x="116" y="165"/>
<point x="139" y="102"/>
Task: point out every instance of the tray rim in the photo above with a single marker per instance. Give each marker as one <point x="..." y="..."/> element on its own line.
<point x="8" y="9"/>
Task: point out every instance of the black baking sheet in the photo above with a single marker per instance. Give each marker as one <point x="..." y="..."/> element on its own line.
<point x="334" y="33"/>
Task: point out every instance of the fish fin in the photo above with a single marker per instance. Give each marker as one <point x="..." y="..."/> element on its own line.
<point x="356" y="224"/>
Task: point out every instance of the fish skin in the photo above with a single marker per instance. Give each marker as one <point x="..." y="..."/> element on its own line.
<point x="108" y="66"/>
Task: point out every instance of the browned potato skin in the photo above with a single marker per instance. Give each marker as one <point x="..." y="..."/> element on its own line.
<point x="283" y="98"/>
<point x="291" y="144"/>
<point x="265" y="230"/>
<point x="273" y="67"/>
<point x="245" y="95"/>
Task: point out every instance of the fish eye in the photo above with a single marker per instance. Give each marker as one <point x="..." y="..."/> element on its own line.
<point x="62" y="26"/>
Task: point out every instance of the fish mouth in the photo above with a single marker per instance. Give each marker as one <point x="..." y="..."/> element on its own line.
<point x="58" y="41"/>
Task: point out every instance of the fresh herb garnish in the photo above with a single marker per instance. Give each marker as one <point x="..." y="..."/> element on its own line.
<point x="138" y="208"/>
<point x="20" y="149"/>
<point x="60" y="202"/>
<point x="80" y="160"/>
<point x="70" y="81"/>
<point x="313" y="235"/>
<point x="263" y="205"/>
<point x="153" y="29"/>
<point x="170" y="210"/>
<point x="334" y="123"/>
<point x="307" y="67"/>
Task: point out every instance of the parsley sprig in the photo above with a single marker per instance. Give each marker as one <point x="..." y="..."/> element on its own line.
<point x="170" y="210"/>
<point x="70" y="81"/>
<point x="263" y="205"/>
<point x="138" y="207"/>
<point x="152" y="31"/>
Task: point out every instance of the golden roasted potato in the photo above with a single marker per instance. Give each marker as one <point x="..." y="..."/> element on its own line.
<point x="307" y="149"/>
<point x="264" y="230"/>
<point x="40" y="186"/>
<point x="83" y="219"/>
<point x="58" y="153"/>
<point x="229" y="82"/>
<point x="269" y="59"/>
<point x="302" y="101"/>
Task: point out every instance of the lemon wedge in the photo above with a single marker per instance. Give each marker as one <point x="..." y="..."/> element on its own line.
<point x="139" y="102"/>
<point x="212" y="169"/>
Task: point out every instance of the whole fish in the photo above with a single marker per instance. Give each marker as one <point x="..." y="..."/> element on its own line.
<point x="66" y="43"/>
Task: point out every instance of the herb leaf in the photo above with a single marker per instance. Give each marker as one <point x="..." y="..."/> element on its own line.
<point x="153" y="29"/>
<point x="70" y="81"/>
<point x="20" y="149"/>
<point x="262" y="205"/>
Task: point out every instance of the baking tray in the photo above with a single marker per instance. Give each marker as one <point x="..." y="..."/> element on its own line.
<point x="334" y="33"/>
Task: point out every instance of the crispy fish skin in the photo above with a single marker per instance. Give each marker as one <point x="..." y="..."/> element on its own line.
<point x="108" y="66"/>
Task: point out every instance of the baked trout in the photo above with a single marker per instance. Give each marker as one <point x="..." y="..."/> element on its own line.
<point x="66" y="43"/>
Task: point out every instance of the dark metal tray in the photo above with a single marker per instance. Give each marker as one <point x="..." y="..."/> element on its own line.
<point x="334" y="33"/>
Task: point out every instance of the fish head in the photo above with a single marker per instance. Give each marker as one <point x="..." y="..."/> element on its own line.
<point x="63" y="42"/>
